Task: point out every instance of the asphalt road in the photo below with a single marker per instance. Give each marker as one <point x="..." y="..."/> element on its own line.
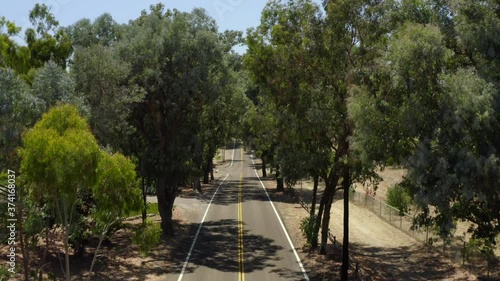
<point x="241" y="236"/>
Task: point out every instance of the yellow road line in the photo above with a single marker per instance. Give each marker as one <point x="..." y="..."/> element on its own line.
<point x="241" y="260"/>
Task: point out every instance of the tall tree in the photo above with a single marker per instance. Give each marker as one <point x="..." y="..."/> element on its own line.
<point x="172" y="56"/>
<point x="101" y="79"/>
<point x="59" y="160"/>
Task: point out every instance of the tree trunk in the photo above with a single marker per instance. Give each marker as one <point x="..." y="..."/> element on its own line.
<point x="321" y="210"/>
<point x="197" y="185"/>
<point x="212" y="177"/>
<point x="346" y="183"/>
<point x="66" y="250"/>
<point x="322" y="204"/>
<point x="206" y="172"/>
<point x="166" y="194"/>
<point x="315" y="194"/>
<point x="101" y="238"/>
<point x="264" y="172"/>
<point x="144" y="199"/>
<point x="279" y="181"/>
<point x="325" y="223"/>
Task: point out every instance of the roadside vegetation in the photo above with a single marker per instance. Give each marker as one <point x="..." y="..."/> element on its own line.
<point x="96" y="115"/>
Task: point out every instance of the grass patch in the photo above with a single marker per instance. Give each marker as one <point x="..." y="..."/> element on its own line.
<point x="152" y="209"/>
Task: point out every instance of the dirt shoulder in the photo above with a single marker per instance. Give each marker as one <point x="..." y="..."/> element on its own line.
<point x="384" y="252"/>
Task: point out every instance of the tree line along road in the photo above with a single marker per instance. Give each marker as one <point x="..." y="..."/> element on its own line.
<point x="241" y="236"/>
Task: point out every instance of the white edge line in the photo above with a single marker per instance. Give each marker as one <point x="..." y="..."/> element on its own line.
<point x="282" y="226"/>
<point x="184" y="266"/>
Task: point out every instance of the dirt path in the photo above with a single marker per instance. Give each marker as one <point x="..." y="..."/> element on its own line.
<point x="388" y="252"/>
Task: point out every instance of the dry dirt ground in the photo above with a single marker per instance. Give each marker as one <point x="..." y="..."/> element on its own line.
<point x="121" y="259"/>
<point x="384" y="252"/>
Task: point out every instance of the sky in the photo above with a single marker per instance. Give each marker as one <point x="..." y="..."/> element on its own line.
<point x="229" y="14"/>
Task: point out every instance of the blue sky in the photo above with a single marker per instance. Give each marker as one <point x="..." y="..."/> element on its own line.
<point x="229" y="14"/>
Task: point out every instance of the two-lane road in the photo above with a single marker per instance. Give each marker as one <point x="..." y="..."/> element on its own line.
<point x="241" y="236"/>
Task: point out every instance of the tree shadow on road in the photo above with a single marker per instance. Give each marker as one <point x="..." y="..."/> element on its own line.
<point x="216" y="248"/>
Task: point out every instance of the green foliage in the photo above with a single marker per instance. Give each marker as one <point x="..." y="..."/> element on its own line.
<point x="18" y="111"/>
<point x="116" y="192"/>
<point x="100" y="76"/>
<point x="177" y="59"/>
<point x="399" y="198"/>
<point x="148" y="237"/>
<point x="4" y="273"/>
<point x="152" y="208"/>
<point x="52" y="85"/>
<point x="308" y="227"/>
<point x="59" y="162"/>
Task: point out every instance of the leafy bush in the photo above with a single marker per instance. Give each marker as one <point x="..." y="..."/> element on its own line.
<point x="308" y="227"/>
<point x="399" y="198"/>
<point x="147" y="237"/>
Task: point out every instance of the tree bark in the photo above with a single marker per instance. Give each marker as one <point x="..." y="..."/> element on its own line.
<point x="66" y="250"/>
<point x="206" y="172"/>
<point x="314" y="196"/>
<point x="166" y="194"/>
<point x="197" y="185"/>
<point x="322" y="204"/>
<point x="326" y="222"/>
<point x="327" y="200"/>
<point x="264" y="172"/>
<point x="279" y="181"/>
<point x="212" y="177"/>
<point x="144" y="209"/>
<point x="312" y="212"/>
<point x="346" y="184"/>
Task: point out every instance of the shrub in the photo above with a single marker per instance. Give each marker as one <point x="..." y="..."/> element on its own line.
<point x="147" y="237"/>
<point x="308" y="227"/>
<point x="399" y="198"/>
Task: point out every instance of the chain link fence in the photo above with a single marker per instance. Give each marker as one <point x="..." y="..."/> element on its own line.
<point x="455" y="248"/>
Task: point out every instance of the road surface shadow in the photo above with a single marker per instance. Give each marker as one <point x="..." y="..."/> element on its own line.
<point x="229" y="193"/>
<point x="216" y="248"/>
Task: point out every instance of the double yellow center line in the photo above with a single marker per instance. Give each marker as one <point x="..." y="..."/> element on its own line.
<point x="241" y="265"/>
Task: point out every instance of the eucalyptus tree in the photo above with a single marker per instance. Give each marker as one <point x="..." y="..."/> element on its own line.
<point x="306" y="63"/>
<point x="172" y="56"/>
<point x="100" y="79"/>
<point x="53" y="85"/>
<point x="434" y="110"/>
<point x="59" y="161"/>
<point x="116" y="194"/>
<point x="46" y="40"/>
<point x="12" y="55"/>
<point x="18" y="111"/>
